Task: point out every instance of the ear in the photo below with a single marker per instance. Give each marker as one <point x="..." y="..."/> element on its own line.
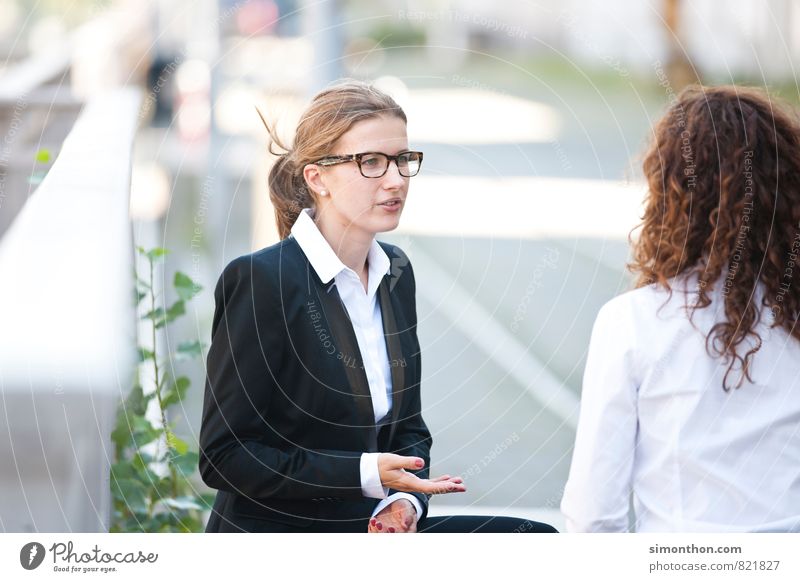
<point x="314" y="180"/>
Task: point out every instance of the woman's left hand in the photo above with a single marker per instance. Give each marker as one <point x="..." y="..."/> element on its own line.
<point x="398" y="517"/>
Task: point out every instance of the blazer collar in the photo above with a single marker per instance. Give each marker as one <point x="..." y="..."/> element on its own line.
<point x="323" y="259"/>
<point x="397" y="359"/>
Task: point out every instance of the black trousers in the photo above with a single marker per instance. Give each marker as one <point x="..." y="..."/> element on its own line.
<point x="440" y="524"/>
<point x="481" y="524"/>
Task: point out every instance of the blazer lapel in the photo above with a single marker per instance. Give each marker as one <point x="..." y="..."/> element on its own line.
<point x="350" y="359"/>
<point x="397" y="361"/>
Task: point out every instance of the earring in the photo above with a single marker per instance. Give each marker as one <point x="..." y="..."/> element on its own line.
<point x="323" y="192"/>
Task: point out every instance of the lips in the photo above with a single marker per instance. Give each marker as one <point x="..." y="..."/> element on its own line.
<point x="391" y="203"/>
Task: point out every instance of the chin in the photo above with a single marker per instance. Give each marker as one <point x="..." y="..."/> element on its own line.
<point x="388" y="224"/>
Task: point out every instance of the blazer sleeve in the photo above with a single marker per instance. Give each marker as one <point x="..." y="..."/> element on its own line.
<point x="412" y="437"/>
<point x="243" y="372"/>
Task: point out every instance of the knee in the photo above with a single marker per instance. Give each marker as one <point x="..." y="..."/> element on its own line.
<point x="530" y="526"/>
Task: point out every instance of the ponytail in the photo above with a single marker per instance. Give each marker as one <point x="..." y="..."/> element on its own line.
<point x="287" y="187"/>
<point x="288" y="193"/>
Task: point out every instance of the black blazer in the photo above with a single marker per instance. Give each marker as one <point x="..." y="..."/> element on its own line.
<point x="287" y="411"/>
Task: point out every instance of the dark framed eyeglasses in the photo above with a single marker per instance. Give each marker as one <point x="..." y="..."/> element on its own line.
<point x="375" y="164"/>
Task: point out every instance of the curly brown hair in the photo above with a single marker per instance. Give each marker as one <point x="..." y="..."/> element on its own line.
<point x="723" y="205"/>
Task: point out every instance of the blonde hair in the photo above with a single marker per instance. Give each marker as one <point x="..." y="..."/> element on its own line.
<point x="330" y="115"/>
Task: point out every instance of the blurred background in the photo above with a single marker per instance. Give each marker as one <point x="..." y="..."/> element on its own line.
<point x="131" y="123"/>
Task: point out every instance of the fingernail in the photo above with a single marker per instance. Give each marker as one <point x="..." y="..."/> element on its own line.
<point x="372" y="521"/>
<point x="391" y="530"/>
<point x="379" y="526"/>
<point x="420" y="463"/>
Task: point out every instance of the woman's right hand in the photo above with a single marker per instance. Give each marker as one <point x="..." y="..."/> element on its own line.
<point x="393" y="474"/>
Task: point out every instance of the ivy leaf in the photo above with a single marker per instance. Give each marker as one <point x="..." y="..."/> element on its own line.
<point x="123" y="470"/>
<point x="186" y="464"/>
<point x="180" y="446"/>
<point x="185" y="287"/>
<point x="145" y="354"/>
<point x="157" y="315"/>
<point x="156" y="253"/>
<point x="190" y="524"/>
<point x="138" y="296"/>
<point x="137" y="470"/>
<point x="189" y="350"/>
<point x="184" y="503"/>
<point x="129" y="411"/>
<point x="139" y="280"/>
<point x="209" y="499"/>
<point x="121" y="435"/>
<point x="182" y="484"/>
<point x="143" y="432"/>
<point x="136" y="402"/>
<point x="131" y="493"/>
<point x="176" y="392"/>
<point x="162" y="487"/>
<point x="141" y="461"/>
<point x="160" y="318"/>
<point x="43" y="156"/>
<point x="176" y="310"/>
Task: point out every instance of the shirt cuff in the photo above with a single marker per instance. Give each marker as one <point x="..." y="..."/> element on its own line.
<point x="371" y="485"/>
<point x="394" y="497"/>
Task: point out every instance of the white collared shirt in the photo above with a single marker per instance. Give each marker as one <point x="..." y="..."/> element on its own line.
<point x="365" y="315"/>
<point x="656" y="422"/>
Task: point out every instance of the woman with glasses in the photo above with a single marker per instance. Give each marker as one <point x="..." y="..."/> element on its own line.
<point x="691" y="395"/>
<point x="312" y="415"/>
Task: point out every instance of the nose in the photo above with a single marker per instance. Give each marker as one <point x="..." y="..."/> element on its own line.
<point x="392" y="179"/>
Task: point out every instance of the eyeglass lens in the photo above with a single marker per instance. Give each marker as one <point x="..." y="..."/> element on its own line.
<point x="375" y="165"/>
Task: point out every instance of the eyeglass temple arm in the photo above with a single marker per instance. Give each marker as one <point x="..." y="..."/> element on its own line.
<point x="330" y="160"/>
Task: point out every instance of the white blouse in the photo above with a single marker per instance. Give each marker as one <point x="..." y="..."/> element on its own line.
<point x="656" y="423"/>
<point x="365" y="315"/>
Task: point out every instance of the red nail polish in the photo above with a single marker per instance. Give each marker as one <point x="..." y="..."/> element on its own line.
<point x="391" y="530"/>
<point x="379" y="526"/>
<point x="420" y="462"/>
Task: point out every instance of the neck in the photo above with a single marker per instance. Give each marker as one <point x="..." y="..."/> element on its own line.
<point x="350" y="244"/>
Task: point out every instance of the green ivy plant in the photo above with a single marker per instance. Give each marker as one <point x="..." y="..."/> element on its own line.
<point x="150" y="477"/>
